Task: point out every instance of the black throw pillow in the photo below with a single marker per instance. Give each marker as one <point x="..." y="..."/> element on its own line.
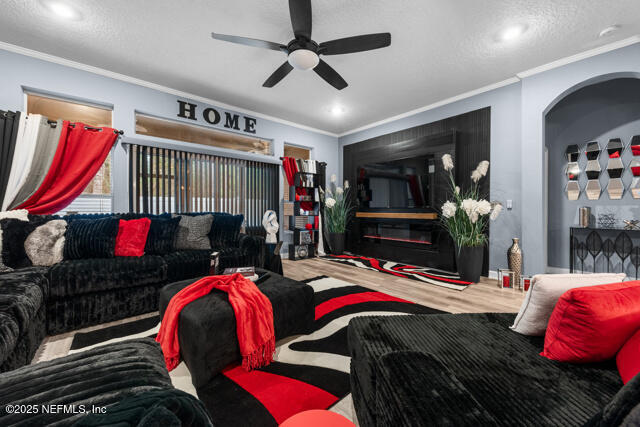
<point x="91" y="238"/>
<point x="14" y="233"/>
<point x="225" y="230"/>
<point x="162" y="234"/>
<point x="622" y="410"/>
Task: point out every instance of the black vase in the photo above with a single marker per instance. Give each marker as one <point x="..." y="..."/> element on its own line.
<point x="469" y="260"/>
<point x="336" y="241"/>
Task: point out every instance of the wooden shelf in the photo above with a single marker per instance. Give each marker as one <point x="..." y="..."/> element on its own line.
<point x="398" y="215"/>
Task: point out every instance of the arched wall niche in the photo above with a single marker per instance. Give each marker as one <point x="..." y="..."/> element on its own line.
<point x="597" y="109"/>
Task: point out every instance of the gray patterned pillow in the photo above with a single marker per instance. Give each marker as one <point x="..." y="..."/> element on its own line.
<point x="193" y="232"/>
<point x="45" y="245"/>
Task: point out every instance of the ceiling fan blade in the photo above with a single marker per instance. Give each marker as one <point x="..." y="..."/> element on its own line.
<point x="355" y="44"/>
<point x="300" y="12"/>
<point x="330" y="75"/>
<point x="278" y="75"/>
<point x="250" y="42"/>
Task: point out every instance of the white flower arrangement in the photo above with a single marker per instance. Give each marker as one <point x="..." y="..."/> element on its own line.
<point x="338" y="207"/>
<point x="466" y="217"/>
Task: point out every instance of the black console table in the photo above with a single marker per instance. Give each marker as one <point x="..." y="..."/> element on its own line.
<point x="618" y="249"/>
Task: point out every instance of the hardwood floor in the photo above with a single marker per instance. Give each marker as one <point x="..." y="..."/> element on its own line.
<point x="485" y="296"/>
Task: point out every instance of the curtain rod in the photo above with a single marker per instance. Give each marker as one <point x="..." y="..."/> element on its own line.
<point x="73" y="125"/>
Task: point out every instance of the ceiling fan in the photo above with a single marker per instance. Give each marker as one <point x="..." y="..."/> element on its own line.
<point x="304" y="53"/>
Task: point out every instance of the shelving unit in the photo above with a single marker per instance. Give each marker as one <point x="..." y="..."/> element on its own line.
<point x="296" y="217"/>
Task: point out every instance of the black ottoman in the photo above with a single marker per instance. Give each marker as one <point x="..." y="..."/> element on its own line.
<point x="207" y="326"/>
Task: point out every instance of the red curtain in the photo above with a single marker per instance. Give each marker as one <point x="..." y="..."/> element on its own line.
<point x="80" y="154"/>
<point x="290" y="168"/>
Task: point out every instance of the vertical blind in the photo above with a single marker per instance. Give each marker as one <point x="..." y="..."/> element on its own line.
<point x="164" y="180"/>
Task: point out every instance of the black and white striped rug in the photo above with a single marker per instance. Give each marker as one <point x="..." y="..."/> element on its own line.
<point x="428" y="275"/>
<point x="309" y="371"/>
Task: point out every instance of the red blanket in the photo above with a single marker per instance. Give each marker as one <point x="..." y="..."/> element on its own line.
<point x="254" y="319"/>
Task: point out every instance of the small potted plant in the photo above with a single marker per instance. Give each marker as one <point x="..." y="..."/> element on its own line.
<point x="338" y="210"/>
<point x="466" y="218"/>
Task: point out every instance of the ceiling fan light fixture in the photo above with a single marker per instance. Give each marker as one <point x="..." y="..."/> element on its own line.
<point x="303" y="59"/>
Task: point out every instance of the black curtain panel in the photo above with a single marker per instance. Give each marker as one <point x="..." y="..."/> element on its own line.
<point x="163" y="180"/>
<point x="9" y="132"/>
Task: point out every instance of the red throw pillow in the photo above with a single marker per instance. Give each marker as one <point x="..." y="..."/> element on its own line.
<point x="590" y="324"/>
<point x="132" y="237"/>
<point x="628" y="358"/>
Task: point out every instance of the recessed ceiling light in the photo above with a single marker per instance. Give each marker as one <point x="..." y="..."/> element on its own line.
<point x="609" y="30"/>
<point x="62" y="10"/>
<point x="512" y="32"/>
<point x="337" y="110"/>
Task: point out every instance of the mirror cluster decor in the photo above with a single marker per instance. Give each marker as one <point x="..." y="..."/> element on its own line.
<point x="573" y="172"/>
<point x="616" y="166"/>
<point x="635" y="167"/>
<point x="593" y="170"/>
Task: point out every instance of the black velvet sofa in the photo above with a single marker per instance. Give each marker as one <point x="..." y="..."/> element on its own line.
<point x="76" y="293"/>
<point x="470" y="369"/>
<point x="128" y="379"/>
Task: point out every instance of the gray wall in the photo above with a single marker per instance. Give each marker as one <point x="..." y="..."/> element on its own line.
<point x="505" y="156"/>
<point x="598" y="112"/>
<point x="20" y="71"/>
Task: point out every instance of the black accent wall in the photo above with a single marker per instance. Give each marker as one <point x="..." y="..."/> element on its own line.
<point x="472" y="135"/>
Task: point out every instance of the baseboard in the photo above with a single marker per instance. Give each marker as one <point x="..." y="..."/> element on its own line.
<point x="557" y="270"/>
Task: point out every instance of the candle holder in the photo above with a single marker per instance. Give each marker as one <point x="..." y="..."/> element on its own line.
<point x="525" y="283"/>
<point x="505" y="278"/>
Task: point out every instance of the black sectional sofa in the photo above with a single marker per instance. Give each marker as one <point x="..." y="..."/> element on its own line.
<point x="471" y="369"/>
<point x="129" y="377"/>
<point x="77" y="293"/>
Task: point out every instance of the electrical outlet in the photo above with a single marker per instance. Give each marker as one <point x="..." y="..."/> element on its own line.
<point x="509" y="204"/>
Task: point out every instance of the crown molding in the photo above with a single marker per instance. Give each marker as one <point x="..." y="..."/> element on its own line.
<point x="518" y="77"/>
<point x="580" y="56"/>
<point x="435" y="105"/>
<point x="133" y="80"/>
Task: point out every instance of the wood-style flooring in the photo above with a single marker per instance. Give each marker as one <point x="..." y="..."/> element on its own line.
<point x="481" y="297"/>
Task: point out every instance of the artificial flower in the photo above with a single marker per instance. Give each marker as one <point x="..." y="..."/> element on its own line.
<point x="339" y="190"/>
<point x="346" y="184"/>
<point x="449" y="209"/>
<point x="334" y="178"/>
<point x="447" y="162"/>
<point x="483" y="207"/>
<point x="475" y="176"/>
<point x="483" y="167"/>
<point x="497" y="208"/>
<point x="330" y="202"/>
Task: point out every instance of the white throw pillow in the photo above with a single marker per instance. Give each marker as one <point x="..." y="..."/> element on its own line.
<point x="544" y="293"/>
<point x="45" y="245"/>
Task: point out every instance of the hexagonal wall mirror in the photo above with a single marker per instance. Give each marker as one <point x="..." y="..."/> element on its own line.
<point x="593" y="169"/>
<point x="635" y="145"/>
<point x="593" y="189"/>
<point x="635" y="182"/>
<point x="593" y="150"/>
<point x="573" y="190"/>
<point x="573" y="152"/>
<point x="615" y="148"/>
<point x="573" y="171"/>
<point x="615" y="167"/>
<point x="615" y="189"/>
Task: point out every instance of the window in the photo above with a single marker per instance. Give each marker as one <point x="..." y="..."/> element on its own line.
<point x="162" y="128"/>
<point x="297" y="152"/>
<point x="164" y="180"/>
<point x="97" y="196"/>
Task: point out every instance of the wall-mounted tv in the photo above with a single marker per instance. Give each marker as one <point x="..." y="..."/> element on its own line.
<point x="397" y="184"/>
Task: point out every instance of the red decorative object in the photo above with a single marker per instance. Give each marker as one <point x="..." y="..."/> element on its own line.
<point x="308" y="226"/>
<point x="614" y="155"/>
<point x="527" y="284"/>
<point x="628" y="358"/>
<point x="635" y="170"/>
<point x="290" y="169"/>
<point x="80" y="154"/>
<point x="317" y="418"/>
<point x="132" y="237"/>
<point x="253" y="313"/>
<point x="635" y="149"/>
<point x="316" y="222"/>
<point x="592" y="323"/>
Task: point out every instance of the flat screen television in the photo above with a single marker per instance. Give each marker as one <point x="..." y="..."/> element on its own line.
<point x="397" y="184"/>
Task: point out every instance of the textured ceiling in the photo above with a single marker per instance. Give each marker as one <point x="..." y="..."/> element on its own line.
<point x="440" y="48"/>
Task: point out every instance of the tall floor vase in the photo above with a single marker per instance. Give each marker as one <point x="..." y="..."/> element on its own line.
<point x="514" y="260"/>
